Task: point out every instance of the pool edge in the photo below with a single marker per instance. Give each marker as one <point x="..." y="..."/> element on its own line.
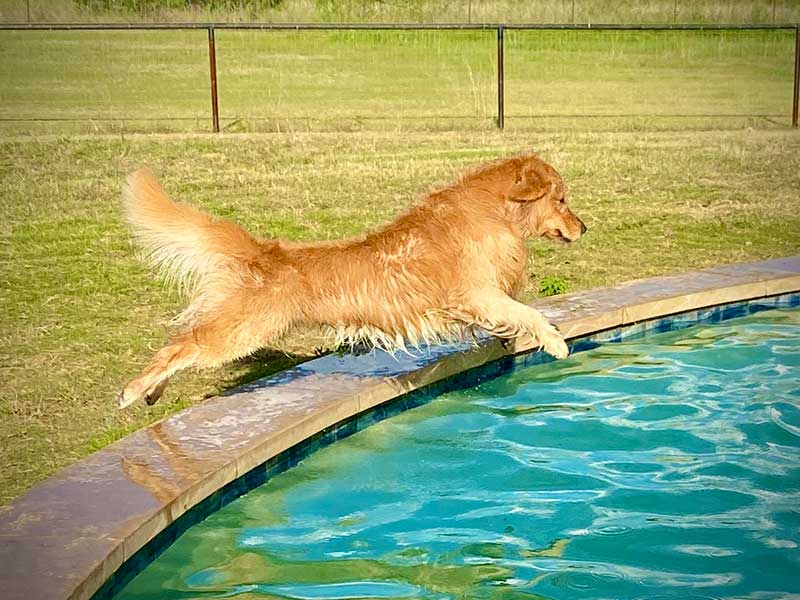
<point x="69" y="535"/>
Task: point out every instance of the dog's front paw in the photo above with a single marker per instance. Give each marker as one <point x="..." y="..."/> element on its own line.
<point x="554" y="344"/>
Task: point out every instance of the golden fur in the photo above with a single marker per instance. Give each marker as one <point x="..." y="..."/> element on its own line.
<point x="449" y="264"/>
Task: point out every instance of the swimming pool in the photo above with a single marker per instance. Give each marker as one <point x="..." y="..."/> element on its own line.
<point x="663" y="467"/>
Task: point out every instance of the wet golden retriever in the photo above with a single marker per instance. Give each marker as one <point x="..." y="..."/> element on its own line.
<point x="449" y="264"/>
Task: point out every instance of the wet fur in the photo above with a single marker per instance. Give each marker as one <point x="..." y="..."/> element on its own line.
<point x="450" y="264"/>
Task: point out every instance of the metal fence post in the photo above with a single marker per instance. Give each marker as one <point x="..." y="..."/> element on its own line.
<point x="212" y="62"/>
<point x="500" y="79"/>
<point x="796" y="94"/>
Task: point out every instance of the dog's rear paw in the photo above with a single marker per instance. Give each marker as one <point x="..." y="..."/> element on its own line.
<point x="124" y="400"/>
<point x="132" y="393"/>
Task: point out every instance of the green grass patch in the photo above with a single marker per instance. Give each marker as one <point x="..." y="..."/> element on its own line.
<point x="552" y="285"/>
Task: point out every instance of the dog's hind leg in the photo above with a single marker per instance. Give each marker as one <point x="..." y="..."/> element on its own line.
<point x="208" y="344"/>
<point x="151" y="383"/>
<point x="504" y="317"/>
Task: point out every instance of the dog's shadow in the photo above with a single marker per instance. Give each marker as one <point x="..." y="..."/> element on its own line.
<point x="263" y="364"/>
<point x="266" y="362"/>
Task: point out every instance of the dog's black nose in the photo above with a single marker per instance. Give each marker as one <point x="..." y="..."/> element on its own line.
<point x="584" y="228"/>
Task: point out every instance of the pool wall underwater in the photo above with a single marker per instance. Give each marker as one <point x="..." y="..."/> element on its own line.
<point x="86" y="531"/>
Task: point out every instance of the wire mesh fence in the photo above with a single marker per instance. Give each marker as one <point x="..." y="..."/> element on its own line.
<point x="693" y="76"/>
<point x="353" y="79"/>
<point x="268" y="77"/>
<point x="104" y="80"/>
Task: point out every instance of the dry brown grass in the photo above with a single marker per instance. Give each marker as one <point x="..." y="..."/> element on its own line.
<point x="487" y="11"/>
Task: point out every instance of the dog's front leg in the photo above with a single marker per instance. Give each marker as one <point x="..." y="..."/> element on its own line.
<point x="504" y="317"/>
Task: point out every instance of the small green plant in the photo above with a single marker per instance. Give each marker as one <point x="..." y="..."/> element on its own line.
<point x="552" y="285"/>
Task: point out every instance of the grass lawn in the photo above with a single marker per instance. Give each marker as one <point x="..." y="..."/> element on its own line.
<point x="81" y="315"/>
<point x="675" y="146"/>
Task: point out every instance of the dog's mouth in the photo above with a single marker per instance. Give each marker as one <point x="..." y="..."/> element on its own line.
<point x="557" y="236"/>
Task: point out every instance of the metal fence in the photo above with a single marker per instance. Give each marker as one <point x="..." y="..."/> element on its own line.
<point x="499" y="28"/>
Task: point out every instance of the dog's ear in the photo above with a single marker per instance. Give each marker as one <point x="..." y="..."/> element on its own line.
<point x="530" y="185"/>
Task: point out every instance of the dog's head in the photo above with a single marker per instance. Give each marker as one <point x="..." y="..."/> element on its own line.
<point x="538" y="199"/>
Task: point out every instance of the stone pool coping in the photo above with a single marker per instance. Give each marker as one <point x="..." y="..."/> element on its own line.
<point x="68" y="535"/>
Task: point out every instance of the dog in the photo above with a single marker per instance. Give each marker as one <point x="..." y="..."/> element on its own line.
<point x="452" y="263"/>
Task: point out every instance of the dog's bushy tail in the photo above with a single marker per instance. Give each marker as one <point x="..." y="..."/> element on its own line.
<point x="185" y="243"/>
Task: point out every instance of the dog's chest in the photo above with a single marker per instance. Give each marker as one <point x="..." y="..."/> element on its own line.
<point x="498" y="260"/>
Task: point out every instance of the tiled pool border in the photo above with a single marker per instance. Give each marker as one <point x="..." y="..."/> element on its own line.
<point x="86" y="531"/>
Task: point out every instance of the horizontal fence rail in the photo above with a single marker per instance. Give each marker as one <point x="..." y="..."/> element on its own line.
<point x="402" y="26"/>
<point x="498" y="27"/>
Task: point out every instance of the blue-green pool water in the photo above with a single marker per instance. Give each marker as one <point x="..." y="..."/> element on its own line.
<point x="667" y="467"/>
